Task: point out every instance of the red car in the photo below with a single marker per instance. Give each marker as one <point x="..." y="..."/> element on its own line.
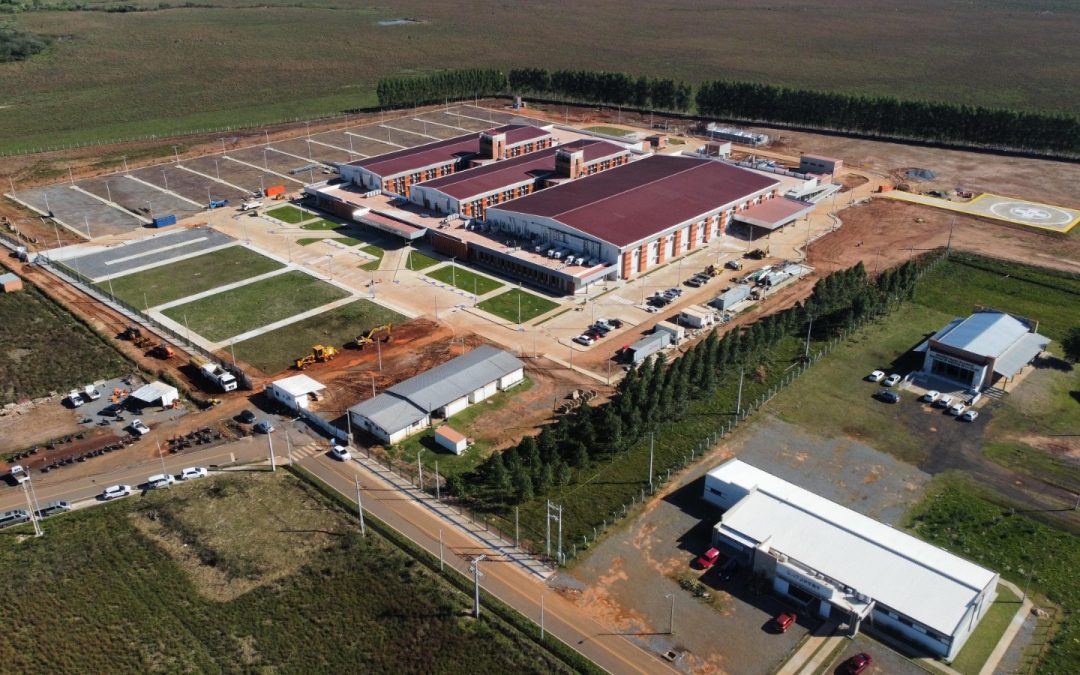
<point x="785" y="621"/>
<point x="858" y="663"/>
<point x="707" y="559"/>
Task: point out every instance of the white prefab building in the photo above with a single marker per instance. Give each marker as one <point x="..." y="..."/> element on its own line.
<point x="987" y="345"/>
<point x="156" y="392"/>
<point x="843" y="565"/>
<point x="407" y="407"/>
<point x="451" y="439"/>
<point x="296" y="392"/>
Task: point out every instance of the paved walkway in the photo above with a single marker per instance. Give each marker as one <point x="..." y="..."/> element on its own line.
<point x="1010" y="633"/>
<point x="813" y="652"/>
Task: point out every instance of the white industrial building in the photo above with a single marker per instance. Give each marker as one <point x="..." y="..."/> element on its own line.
<point x="295" y="392"/>
<point x="987" y="345"/>
<point x="843" y="565"/>
<point x="446" y="390"/>
<point x="156" y="392"/>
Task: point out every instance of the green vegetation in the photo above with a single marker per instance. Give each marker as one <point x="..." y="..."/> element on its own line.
<point x="348" y="241"/>
<point x="308" y="241"/>
<point x="223" y="315"/>
<point x="290" y="214"/>
<point x="506" y="305"/>
<point x="177" y="280"/>
<point x="19" y="45"/>
<point x="249" y="572"/>
<point x="44" y="348"/>
<point x="321" y="224"/>
<point x="987" y="635"/>
<point x="610" y="131"/>
<point x="418" y="261"/>
<point x="396" y="92"/>
<point x="957" y="515"/>
<point x="604" y="87"/>
<point x="1045" y="466"/>
<point x="275" y="350"/>
<point x="375" y="251"/>
<point x="464" y="422"/>
<point x="468" y="281"/>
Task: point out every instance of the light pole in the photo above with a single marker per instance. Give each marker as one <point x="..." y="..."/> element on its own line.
<point x="165" y="178"/>
<point x="222" y="146"/>
<point x="108" y="191"/>
<point x="671" y="615"/>
<point x="474" y="567"/>
<point x="125" y="164"/>
<point x="420" y="468"/>
<point x="164" y="472"/>
<point x="30" y="503"/>
<point x="266" y="165"/>
<point x="176" y="154"/>
<point x="360" y="507"/>
<point x="217" y="169"/>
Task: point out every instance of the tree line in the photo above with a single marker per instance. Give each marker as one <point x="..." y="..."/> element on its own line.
<point x="655" y="394"/>
<point x="891" y="117"/>
<point x="396" y="92"/>
<point x="602" y="87"/>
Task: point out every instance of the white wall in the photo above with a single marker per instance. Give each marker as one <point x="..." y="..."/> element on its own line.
<point x="484" y="392"/>
<point x="512" y="379"/>
<point x="454" y="407"/>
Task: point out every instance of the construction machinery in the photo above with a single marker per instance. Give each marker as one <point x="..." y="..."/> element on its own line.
<point x="713" y="270"/>
<point x="319" y="354"/>
<point x="304" y="362"/>
<point x="163" y="351"/>
<point x="381" y="333"/>
<point x="131" y="333"/>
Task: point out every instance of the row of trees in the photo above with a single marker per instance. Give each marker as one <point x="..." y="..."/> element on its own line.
<point x="451" y="85"/>
<point x="655" y="394"/>
<point x="886" y="116"/>
<point x="602" y="87"/>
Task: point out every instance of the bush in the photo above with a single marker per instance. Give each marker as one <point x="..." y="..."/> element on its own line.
<point x="18" y="45"/>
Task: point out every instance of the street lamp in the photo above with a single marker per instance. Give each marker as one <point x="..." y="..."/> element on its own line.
<point x="671" y="616"/>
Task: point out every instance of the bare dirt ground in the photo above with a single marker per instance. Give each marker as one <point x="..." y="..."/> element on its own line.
<point x="37" y="425"/>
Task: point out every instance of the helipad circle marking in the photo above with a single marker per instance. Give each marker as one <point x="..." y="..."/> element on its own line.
<point x="1030" y="213"/>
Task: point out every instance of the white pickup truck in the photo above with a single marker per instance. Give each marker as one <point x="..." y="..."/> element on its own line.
<point x="251" y="205"/>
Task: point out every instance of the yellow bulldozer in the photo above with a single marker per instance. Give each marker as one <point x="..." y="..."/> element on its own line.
<point x="381" y="333"/>
<point x="319" y="354"/>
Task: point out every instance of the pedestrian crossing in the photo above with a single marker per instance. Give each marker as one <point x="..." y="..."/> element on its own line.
<point x="308" y="450"/>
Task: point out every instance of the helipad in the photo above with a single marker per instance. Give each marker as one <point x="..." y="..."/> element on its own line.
<point x="1009" y="209"/>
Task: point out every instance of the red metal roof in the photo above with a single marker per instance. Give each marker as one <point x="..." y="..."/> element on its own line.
<point x="634" y="201"/>
<point x="501" y="175"/>
<point x="774" y="213"/>
<point x="412" y="159"/>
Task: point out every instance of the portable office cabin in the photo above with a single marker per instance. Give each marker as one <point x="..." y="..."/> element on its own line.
<point x="451" y="439"/>
<point x="647" y="346"/>
<point x="731" y="297"/>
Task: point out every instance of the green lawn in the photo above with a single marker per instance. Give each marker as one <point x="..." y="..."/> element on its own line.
<point x="275" y="351"/>
<point x="957" y="515"/>
<point x="449" y="463"/>
<point x="506" y="305"/>
<point x="470" y="282"/>
<point x="375" y="251"/>
<point x="290" y="214"/>
<point x="221" y="316"/>
<point x="988" y="633"/>
<point x="348" y="241"/>
<point x="188" y="277"/>
<point x="241" y="572"/>
<point x="418" y="261"/>
<point x="610" y="131"/>
<point x="308" y="241"/>
<point x="321" y="224"/>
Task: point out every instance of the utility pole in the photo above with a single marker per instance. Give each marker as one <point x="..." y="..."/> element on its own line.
<point x="541" y="616"/>
<point x="738" y="401"/>
<point x="652" y="445"/>
<point x="372" y="384"/>
<point x="420" y="468"/>
<point x="806" y="353"/>
<point x="517" y="529"/>
<point x="288" y="443"/>
<point x="30" y="506"/>
<point x="360" y="508"/>
<point x="270" y="441"/>
<point x="948" y="244"/>
<point x="671" y="616"/>
<point x="474" y="567"/>
<point x="378" y="350"/>
<point x="162" y="458"/>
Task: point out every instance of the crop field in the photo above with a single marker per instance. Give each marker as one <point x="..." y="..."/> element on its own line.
<point x="506" y="305"/>
<point x="247" y="307"/>
<point x="244" y="572"/>
<point x="275" y="351"/>
<point x="77" y="91"/>
<point x="470" y="282"/>
<point x="43" y="348"/>
<point x="188" y="277"/>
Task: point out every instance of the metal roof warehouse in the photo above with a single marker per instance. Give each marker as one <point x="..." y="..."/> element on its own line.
<point x="847" y="566"/>
<point x="445" y="390"/>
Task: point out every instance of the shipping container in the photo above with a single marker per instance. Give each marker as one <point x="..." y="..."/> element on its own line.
<point x="275" y="190"/>
<point x="162" y="221"/>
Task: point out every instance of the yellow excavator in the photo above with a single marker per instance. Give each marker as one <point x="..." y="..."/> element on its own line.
<point x="374" y="334"/>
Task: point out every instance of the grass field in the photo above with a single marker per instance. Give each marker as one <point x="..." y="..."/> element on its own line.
<point x="188" y="277"/>
<point x="308" y="241"/>
<point x="275" y="351"/>
<point x="418" y="261"/>
<point x="43" y="348"/>
<point x="505" y="305"/>
<point x="610" y="131"/>
<point x="290" y="214"/>
<point x="250" y="572"/>
<point x="470" y="282"/>
<point x="986" y="636"/>
<point x="957" y="516"/>
<point x="239" y="310"/>
<point x="78" y="92"/>
<point x="321" y="224"/>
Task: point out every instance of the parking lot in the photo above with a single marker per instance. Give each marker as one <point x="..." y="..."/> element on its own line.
<point x="80" y="211"/>
<point x="150" y="250"/>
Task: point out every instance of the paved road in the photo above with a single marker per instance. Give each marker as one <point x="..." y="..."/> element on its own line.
<point x="504" y="579"/>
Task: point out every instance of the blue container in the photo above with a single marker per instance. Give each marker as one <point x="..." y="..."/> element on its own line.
<point x="162" y="221"/>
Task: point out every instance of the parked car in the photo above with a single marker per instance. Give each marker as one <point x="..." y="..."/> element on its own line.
<point x="944" y="401"/>
<point x="615" y="323"/>
<point x="246" y="417"/>
<point x="931" y="396"/>
<point x="15" y="517"/>
<point x="785" y="620"/>
<point x="707" y="559"/>
<point x="969" y="415"/>
<point x="75" y="398"/>
<point x="888" y="396"/>
<point x="673" y="292"/>
<point x="116" y="491"/>
<point x="584" y="340"/>
<point x="193" y="472"/>
<point x="892" y="380"/>
<point x="858" y="663"/>
<point x="160" y="480"/>
<point x="956" y="408"/>
<point x="18" y="473"/>
<point x="340" y="453"/>
<point x="264" y="427"/>
<point x="876" y="376"/>
<point x="138" y="427"/>
<point x="90" y="393"/>
<point x="733" y="265"/>
<point x="659" y="300"/>
<point x="52" y="508"/>
<point x="601" y="329"/>
<point x="251" y="204"/>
